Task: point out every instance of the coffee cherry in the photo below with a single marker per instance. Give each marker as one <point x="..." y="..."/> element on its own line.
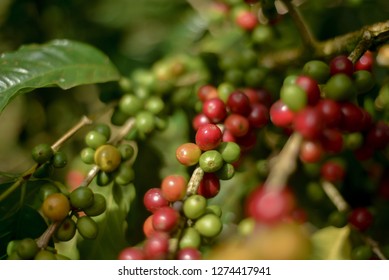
<point x="280" y="114"/>
<point x="332" y="171"/>
<point x="338" y="219"/>
<point x="88" y="155"/>
<point x="188" y="154"/>
<point x="104" y="178"/>
<point x="145" y="122"/>
<point x="331" y="112"/>
<point x="27" y="248"/>
<point x="87" y="227"/>
<point x="341" y="64"/>
<point x="311" y="151"/>
<point x="211" y="161"/>
<point x="165" y="219"/>
<point x="200" y="120"/>
<point x="309" y="123"/>
<point x="59" y="159"/>
<point x="208" y="137"/>
<point x="81" y="197"/>
<point x="362" y="252"/>
<point x="42" y="153"/>
<point x="132" y="253"/>
<point x="95" y="139"/>
<point x="246" y="226"/>
<point x="126" y="151"/>
<point x="361" y="218"/>
<point x="259" y="115"/>
<point x="45" y="255"/>
<point x="125" y="175"/>
<point x="98" y="207"/>
<point x="47" y="189"/>
<point x="229" y="151"/>
<point x="311" y="88"/>
<point x="215" y="110"/>
<point x="130" y="104"/>
<point x="194" y="206"/>
<point x="332" y="140"/>
<point x="352" y="117"/>
<point x="365" y="62"/>
<point x="238" y="103"/>
<point x="188" y="254"/>
<point x="155" y="105"/>
<point x="267" y="206"/>
<point x="107" y="157"/>
<point x="340" y="87"/>
<point x="318" y="70"/>
<point x="246" y="20"/>
<point x="173" y="187"/>
<point x="153" y="199"/>
<point x="294" y="97"/>
<point x="237" y="125"/>
<point x="66" y="230"/>
<point x="190" y="238"/>
<point x="206" y="92"/>
<point x="209" y="225"/>
<point x="363" y="81"/>
<point x="226" y="172"/>
<point x="56" y="207"/>
<point x="156" y="247"/>
<point x="209" y="186"/>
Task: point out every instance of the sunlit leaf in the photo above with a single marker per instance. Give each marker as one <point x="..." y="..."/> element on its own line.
<point x="331" y="243"/>
<point x="62" y="63"/>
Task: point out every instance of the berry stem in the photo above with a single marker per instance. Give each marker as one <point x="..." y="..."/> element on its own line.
<point x="284" y="164"/>
<point x="44" y="239"/>
<point x="194" y="181"/>
<point x="335" y="196"/>
<point x="373" y="36"/>
<point x="83" y="122"/>
<point x="307" y="37"/>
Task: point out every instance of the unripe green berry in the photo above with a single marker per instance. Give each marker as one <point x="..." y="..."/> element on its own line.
<point x="130" y="104"/>
<point x="42" y="153"/>
<point x="88" y="155"/>
<point x="209" y="225"/>
<point x="145" y="122"/>
<point x="81" y="197"/>
<point x="211" y="161"/>
<point x="27" y="248"/>
<point x="103" y="129"/>
<point x="190" y="238"/>
<point x="154" y="104"/>
<point x="294" y="97"/>
<point x="126" y="151"/>
<point x="95" y="139"/>
<point x="66" y="230"/>
<point x="104" y="178"/>
<point x="194" y="206"/>
<point x="98" y="207"/>
<point x="230" y="151"/>
<point x="59" y="159"/>
<point x="87" y="227"/>
<point x="44" y="255"/>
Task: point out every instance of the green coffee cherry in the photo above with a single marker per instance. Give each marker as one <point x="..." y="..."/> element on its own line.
<point x="87" y="227"/>
<point x="88" y="155"/>
<point x="108" y="158"/>
<point x="44" y="255"/>
<point x="98" y="207"/>
<point x="209" y="225"/>
<point x="95" y="139"/>
<point x="27" y="248"/>
<point x="103" y="129"/>
<point x="194" y="206"/>
<point x="59" y="159"/>
<point x="42" y="153"/>
<point x="190" y="238"/>
<point x="66" y="230"/>
<point x="81" y="198"/>
<point x="211" y="161"/>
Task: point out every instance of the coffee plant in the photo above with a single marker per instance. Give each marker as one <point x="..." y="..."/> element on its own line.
<point x="198" y="129"/>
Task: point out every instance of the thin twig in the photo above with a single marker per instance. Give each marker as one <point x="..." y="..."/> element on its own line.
<point x="307" y="38"/>
<point x="284" y="164"/>
<point x="335" y="196"/>
<point x="83" y="122"/>
<point x="44" y="239"/>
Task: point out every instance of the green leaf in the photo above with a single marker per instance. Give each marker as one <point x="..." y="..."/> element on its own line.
<point x="331" y="243"/>
<point x="112" y="225"/>
<point x="63" y="63"/>
<point x="26" y="222"/>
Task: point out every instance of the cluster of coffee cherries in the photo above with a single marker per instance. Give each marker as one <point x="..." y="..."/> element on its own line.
<point x="27" y="249"/>
<point x="47" y="159"/>
<point x="113" y="161"/>
<point x="74" y="212"/>
<point x="321" y="104"/>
